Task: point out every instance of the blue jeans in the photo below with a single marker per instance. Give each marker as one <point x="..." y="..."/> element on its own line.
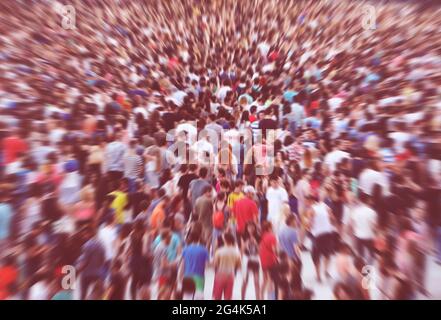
<point x="438" y="245"/>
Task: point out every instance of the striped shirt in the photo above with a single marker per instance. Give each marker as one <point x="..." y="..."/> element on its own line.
<point x="132" y="165"/>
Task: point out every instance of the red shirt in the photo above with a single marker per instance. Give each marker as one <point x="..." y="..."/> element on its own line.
<point x="8" y="276"/>
<point x="12" y="146"/>
<point x="244" y="210"/>
<point x="267" y="250"/>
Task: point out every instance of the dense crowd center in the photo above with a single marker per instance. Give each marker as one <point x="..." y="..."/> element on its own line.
<point x="217" y="149"/>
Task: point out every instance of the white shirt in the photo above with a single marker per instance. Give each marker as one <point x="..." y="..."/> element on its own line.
<point x="56" y="135"/>
<point x="178" y="97"/>
<point x="363" y="220"/>
<point x="321" y="223"/>
<point x="276" y="198"/>
<point x="222" y="92"/>
<point x="39" y="291"/>
<point x="107" y="236"/>
<point x="400" y="139"/>
<point x="334" y="157"/>
<point x="369" y="178"/>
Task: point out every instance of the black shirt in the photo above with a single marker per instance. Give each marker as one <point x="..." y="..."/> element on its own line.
<point x="267" y="124"/>
<point x="184" y="182"/>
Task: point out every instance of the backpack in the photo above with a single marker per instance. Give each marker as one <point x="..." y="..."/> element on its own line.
<point x="218" y="219"/>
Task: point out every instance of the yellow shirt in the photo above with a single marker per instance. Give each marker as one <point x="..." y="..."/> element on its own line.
<point x="119" y="203"/>
<point x="233" y="197"/>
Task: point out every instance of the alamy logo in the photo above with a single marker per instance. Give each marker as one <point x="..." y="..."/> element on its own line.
<point x="68" y="16"/>
<point x="369" y="19"/>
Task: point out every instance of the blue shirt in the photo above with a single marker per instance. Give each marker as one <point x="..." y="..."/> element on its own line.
<point x="93" y="258"/>
<point x="195" y="257"/>
<point x="287" y="240"/>
<point x="5" y="220"/>
<point x="172" y="249"/>
<point x="114" y="155"/>
<point x="289" y="95"/>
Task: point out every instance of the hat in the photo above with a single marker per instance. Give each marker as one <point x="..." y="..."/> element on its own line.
<point x="249" y="189"/>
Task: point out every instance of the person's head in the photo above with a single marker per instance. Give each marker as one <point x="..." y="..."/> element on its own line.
<point x="207" y="191"/>
<point x="249" y="191"/>
<point x="267" y="226"/>
<point x="178" y="222"/>
<point x="195" y="236"/>
<point x="274" y="182"/>
<point x="251" y="228"/>
<point x="132" y="144"/>
<point x="238" y="186"/>
<point x="192" y="167"/>
<point x="203" y="172"/>
<point x="225" y="186"/>
<point x="166" y="236"/>
<point x="290" y="220"/>
<point x="123" y="184"/>
<point x="229" y="239"/>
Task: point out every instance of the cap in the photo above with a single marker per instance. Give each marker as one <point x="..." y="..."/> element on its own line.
<point x="249" y="189"/>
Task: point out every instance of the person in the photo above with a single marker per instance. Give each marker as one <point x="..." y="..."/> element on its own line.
<point x="194" y="260"/>
<point x="173" y="249"/>
<point x="107" y="235"/>
<point x="6" y="215"/>
<point x="132" y="165"/>
<point x="276" y="196"/>
<point x="363" y="221"/>
<point x="114" y="157"/>
<point x="13" y="145"/>
<point x="120" y="201"/>
<point x="322" y="230"/>
<point x="357" y="121"/>
<point x="84" y="210"/>
<point x="288" y="240"/>
<point x="250" y="250"/>
<point x="236" y="194"/>
<point x="226" y="263"/>
<point x="203" y="210"/>
<point x="335" y="156"/>
<point x="245" y="210"/>
<point x="159" y="215"/>
<point x="268" y="257"/>
<point x="10" y="276"/>
<point x="117" y="286"/>
<point x="184" y="185"/>
<point x="220" y="218"/>
<point x="371" y="176"/>
<point x="91" y="262"/>
<point x="163" y="265"/>
<point x="197" y="186"/>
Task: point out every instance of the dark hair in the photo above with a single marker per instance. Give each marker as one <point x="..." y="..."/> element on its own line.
<point x="229" y="239"/>
<point x="203" y="172"/>
<point x="266" y="226"/>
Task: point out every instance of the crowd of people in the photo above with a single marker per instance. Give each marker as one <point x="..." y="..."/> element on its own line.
<point x="155" y="143"/>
